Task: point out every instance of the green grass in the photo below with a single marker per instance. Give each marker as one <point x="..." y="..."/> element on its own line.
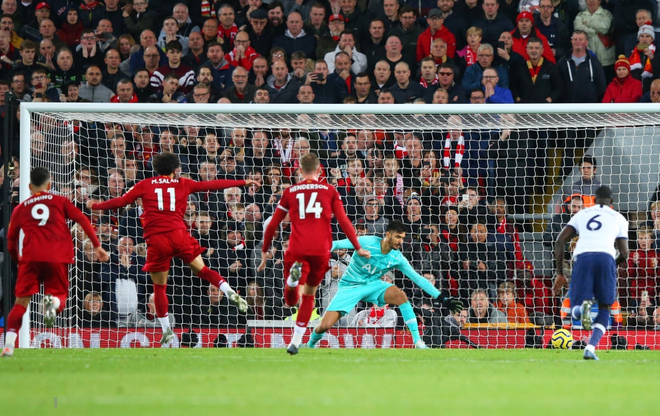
<point x="326" y="382"/>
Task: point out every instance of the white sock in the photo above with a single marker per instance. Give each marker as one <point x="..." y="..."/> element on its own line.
<point x="590" y="348"/>
<point x="10" y="340"/>
<point x="291" y="283"/>
<point x="298" y="332"/>
<point x="164" y="323"/>
<point x="56" y="303"/>
<point x="224" y="287"/>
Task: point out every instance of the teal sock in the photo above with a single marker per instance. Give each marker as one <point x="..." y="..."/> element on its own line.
<point x="411" y="320"/>
<point x="313" y="339"/>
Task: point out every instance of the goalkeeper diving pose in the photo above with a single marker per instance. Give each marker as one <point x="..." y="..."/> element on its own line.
<point x="362" y="282"/>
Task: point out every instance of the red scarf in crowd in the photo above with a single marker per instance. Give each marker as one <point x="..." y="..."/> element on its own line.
<point x="636" y="62"/>
<point x="470" y="55"/>
<point x="425" y="84"/>
<point x="376" y="315"/>
<point x="458" y="156"/>
<point x="534" y="70"/>
<point x="207" y="9"/>
<point x="89" y="7"/>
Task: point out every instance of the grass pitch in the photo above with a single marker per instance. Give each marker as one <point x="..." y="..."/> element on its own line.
<point x="327" y="382"/>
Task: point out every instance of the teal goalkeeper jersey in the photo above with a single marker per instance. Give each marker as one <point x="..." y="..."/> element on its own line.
<point x="361" y="271"/>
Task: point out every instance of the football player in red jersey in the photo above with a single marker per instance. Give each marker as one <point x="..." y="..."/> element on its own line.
<point x="310" y="205"/>
<point x="46" y="253"/>
<point x="164" y="200"/>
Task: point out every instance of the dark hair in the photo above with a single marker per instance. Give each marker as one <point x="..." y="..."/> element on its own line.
<point x="396" y="226"/>
<point x="166" y="163"/>
<point x="604" y="192"/>
<point x="535" y="40"/>
<point x="407" y="9"/>
<point x="174" y="45"/>
<point x="39" y="176"/>
<point x="589" y="159"/>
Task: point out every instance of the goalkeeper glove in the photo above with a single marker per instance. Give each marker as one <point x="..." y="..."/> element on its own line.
<point x="453" y="304"/>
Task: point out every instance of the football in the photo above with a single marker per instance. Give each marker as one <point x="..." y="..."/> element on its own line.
<point x="562" y="339"/>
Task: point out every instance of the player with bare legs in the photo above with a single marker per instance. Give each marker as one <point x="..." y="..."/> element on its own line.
<point x="46" y="253"/>
<point x="164" y="200"/>
<point x="310" y="205"/>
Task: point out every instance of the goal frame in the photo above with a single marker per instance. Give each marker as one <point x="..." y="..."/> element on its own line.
<point x="28" y="109"/>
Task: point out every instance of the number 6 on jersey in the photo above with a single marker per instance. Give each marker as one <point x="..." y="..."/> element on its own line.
<point x="313" y="207"/>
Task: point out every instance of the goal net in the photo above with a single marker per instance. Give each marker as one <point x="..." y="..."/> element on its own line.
<point x="482" y="190"/>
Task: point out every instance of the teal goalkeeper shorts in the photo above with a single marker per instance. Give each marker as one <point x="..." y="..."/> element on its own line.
<point x="349" y="295"/>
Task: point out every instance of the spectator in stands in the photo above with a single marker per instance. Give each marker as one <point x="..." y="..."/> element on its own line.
<point x="30" y="29"/>
<point x="46" y="53"/>
<point x="66" y="71"/>
<point x="642" y="17"/>
<point x="439" y="52"/>
<point x="282" y="86"/>
<point x="454" y="21"/>
<point x="7" y="24"/>
<point x="315" y="20"/>
<point x="241" y="91"/>
<point x="18" y="87"/>
<point x="482" y="312"/>
<point x="186" y="75"/>
<point x="588" y="182"/>
<point x="506" y="302"/>
<point x="148" y="319"/>
<point x="473" y="75"/>
<point x="468" y="55"/>
<point x="375" y="317"/>
<point x="215" y="311"/>
<point x="259" y="72"/>
<point x="295" y="38"/>
<point x="261" y="34"/>
<point x="94" y="313"/>
<point x="493" y="22"/>
<point x="233" y="256"/>
<point x="136" y="17"/>
<point x="355" y="19"/>
<point x="170" y="92"/>
<point x="358" y="60"/>
<point x="258" y="307"/>
<point x="641" y="57"/>
<point x="375" y="223"/>
<point x="524" y="31"/>
<point x="143" y="89"/>
<point x="581" y="73"/>
<point x="328" y="42"/>
<point x="89" y="52"/>
<point x="93" y="90"/>
<point x="170" y="33"/>
<point x="363" y="93"/>
<point x="394" y="55"/>
<point x="552" y="28"/>
<point x="151" y="59"/>
<point x="221" y="69"/>
<point x="373" y="46"/>
<point x="405" y="91"/>
<point x="623" y="88"/>
<point x="471" y="209"/>
<point x="641" y="273"/>
<point x="124" y="45"/>
<point x="492" y="92"/>
<point x="435" y="20"/>
<point x="196" y="54"/>
<point x="243" y="54"/>
<point x="596" y="23"/>
<point x="536" y="80"/>
<point x="382" y="76"/>
<point x="112" y="74"/>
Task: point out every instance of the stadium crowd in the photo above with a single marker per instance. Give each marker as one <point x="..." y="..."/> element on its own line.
<point x="453" y="189"/>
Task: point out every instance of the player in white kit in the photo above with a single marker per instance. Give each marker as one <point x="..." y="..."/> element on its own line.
<point x="602" y="232"/>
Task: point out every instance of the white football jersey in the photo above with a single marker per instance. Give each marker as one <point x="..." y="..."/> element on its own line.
<point x="598" y="227"/>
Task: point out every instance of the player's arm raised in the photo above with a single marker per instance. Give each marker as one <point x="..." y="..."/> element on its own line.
<point x="218" y="184"/>
<point x="448" y="302"/>
<point x="121" y="201"/>
<point x="76" y="215"/>
<point x="347" y="227"/>
<point x="275" y="221"/>
<point x="344" y="244"/>
<point x="560" y="279"/>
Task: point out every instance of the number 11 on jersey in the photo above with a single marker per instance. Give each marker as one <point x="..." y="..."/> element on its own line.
<point x="312" y="207"/>
<point x="159" y="194"/>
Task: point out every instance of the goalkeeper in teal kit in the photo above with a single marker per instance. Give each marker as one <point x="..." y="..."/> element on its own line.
<point x="362" y="282"/>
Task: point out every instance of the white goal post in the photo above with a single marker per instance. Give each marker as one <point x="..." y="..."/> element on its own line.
<point x="525" y="156"/>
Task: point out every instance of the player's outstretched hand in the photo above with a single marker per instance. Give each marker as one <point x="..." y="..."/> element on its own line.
<point x="364" y="253"/>
<point x="90" y="203"/>
<point x="559" y="284"/>
<point x="262" y="265"/>
<point x="101" y="254"/>
<point x="453" y="304"/>
<point x="250" y="182"/>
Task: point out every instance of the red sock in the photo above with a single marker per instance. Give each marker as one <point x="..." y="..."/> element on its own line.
<point x="291" y="296"/>
<point x="160" y="300"/>
<point x="305" y="310"/>
<point x="15" y="318"/>
<point x="211" y="276"/>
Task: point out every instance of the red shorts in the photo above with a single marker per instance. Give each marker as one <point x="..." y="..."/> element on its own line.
<point x="313" y="270"/>
<point x="31" y="274"/>
<point x="162" y="247"/>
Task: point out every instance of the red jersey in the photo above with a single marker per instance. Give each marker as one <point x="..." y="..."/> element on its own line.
<point x="310" y="205"/>
<point x="43" y="217"/>
<point x="164" y="200"/>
